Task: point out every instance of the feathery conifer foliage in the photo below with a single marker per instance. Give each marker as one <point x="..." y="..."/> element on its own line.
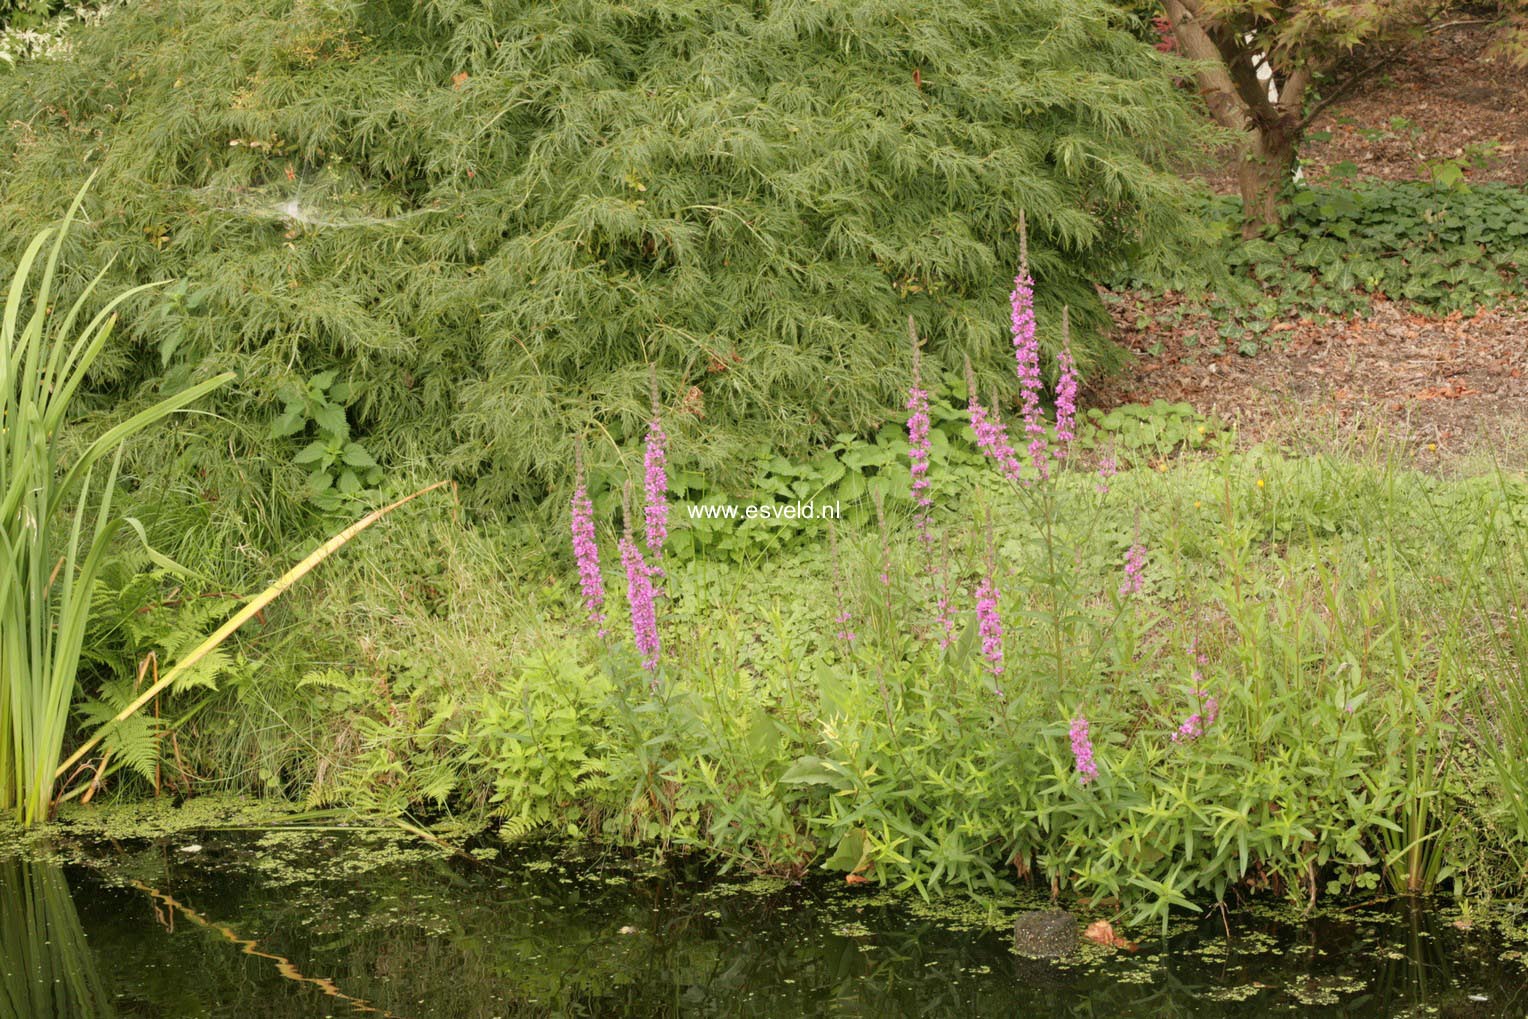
<point x="490" y="217"/>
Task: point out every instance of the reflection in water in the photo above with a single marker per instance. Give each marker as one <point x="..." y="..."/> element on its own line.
<point x="49" y="971"/>
<point x="284" y="966"/>
<point x="297" y="926"/>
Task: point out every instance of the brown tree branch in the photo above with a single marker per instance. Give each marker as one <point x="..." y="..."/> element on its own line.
<point x="1344" y="87"/>
<point x="1215" y="85"/>
<point x="1292" y="94"/>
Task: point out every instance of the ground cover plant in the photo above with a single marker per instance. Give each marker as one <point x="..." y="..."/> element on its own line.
<point x="1440" y="249"/>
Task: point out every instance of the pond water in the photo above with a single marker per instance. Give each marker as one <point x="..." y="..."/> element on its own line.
<point x="295" y="925"/>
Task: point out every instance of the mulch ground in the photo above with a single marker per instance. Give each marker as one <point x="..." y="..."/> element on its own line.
<point x="1448" y="386"/>
<point x="1452" y="95"/>
<point x="1445" y="386"/>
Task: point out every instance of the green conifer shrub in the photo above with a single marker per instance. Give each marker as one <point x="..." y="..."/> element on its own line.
<point x="488" y="217"/>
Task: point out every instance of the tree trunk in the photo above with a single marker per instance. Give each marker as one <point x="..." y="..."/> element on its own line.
<point x="1245" y="92"/>
<point x="1267" y="164"/>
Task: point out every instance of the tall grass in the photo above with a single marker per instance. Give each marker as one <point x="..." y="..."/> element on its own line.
<point x="56" y="521"/>
<point x="1500" y="698"/>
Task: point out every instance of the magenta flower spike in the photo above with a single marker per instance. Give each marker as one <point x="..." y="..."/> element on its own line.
<point x="1209" y="708"/>
<point x="991" y="435"/>
<point x="639" y="595"/>
<point x="1107" y="468"/>
<point x="1135" y="563"/>
<point x="1066" y="389"/>
<point x="1026" y="353"/>
<point x="655" y="511"/>
<point x="919" y="445"/>
<point x="944" y="620"/>
<point x="587" y="552"/>
<point x="1082" y="750"/>
<point x="989" y="624"/>
<point x="1193" y="727"/>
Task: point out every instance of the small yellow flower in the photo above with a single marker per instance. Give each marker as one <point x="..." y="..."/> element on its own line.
<point x="1259" y="482"/>
<point x="1432" y="447"/>
<point x="1198" y="504"/>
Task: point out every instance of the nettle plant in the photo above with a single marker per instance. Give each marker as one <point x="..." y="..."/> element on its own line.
<point x="342" y="473"/>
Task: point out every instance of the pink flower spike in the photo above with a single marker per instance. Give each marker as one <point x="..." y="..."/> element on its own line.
<point x="1082" y="750"/>
<point x="1107" y="468"/>
<point x="1135" y="563"/>
<point x="1066" y="388"/>
<point x="944" y="620"/>
<point x="587" y="554"/>
<point x="918" y="448"/>
<point x="991" y="435"/>
<point x="992" y="439"/>
<point x="1026" y="353"/>
<point x="639" y="595"/>
<point x="1194" y="726"/>
<point x="655" y="463"/>
<point x="990" y="626"/>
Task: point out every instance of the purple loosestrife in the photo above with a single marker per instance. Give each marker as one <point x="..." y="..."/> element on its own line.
<point x="1082" y="750"/>
<point x="1026" y="353"/>
<point x="655" y="511"/>
<point x="918" y="450"/>
<point x="1135" y="563"/>
<point x="1107" y="468"/>
<point x="1066" y="388"/>
<point x="1193" y="727"/>
<point x="843" y="618"/>
<point x="944" y="620"/>
<point x="639" y="595"/>
<point x="991" y="435"/>
<point x="586" y="552"/>
<point x="918" y="446"/>
<point x="989" y="624"/>
<point x="1209" y="708"/>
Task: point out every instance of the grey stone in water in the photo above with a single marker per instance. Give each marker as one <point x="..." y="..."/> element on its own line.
<point x="1045" y="934"/>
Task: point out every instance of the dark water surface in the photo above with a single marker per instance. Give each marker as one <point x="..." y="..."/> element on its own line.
<point x="293" y="925"/>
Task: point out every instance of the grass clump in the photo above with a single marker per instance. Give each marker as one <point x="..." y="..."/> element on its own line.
<point x="56" y="518"/>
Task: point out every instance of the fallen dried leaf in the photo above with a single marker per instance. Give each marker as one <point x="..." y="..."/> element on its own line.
<point x="1454" y="392"/>
<point x="1101" y="932"/>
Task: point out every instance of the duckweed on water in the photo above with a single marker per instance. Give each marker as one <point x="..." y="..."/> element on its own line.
<point x="551" y="930"/>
